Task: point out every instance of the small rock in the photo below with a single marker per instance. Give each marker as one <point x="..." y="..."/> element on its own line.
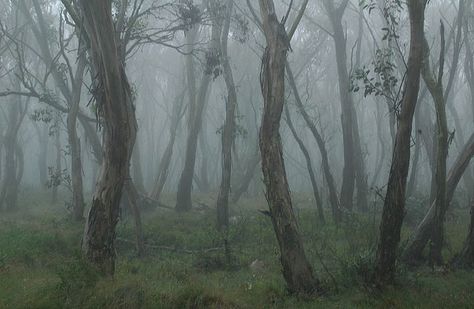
<point x="257" y="266"/>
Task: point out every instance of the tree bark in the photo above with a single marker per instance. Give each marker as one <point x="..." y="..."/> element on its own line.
<point x="78" y="203"/>
<point x="394" y="205"/>
<point x="297" y="271"/>
<point x="9" y="193"/>
<point x="114" y="101"/>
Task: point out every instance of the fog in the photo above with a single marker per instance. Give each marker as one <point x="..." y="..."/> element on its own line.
<point x="116" y="116"/>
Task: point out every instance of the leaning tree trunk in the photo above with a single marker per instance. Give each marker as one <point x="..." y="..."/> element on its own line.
<point x="309" y="166"/>
<point x="228" y="133"/>
<point x="394" y="205"/>
<point x="333" y="198"/>
<point x="114" y="102"/>
<point x="297" y="271"/>
<point x="246" y="179"/>
<point x="165" y="161"/>
<point x="413" y="254"/>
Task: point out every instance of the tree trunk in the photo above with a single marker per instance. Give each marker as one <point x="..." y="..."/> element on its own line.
<point x="133" y="197"/>
<point x="228" y="133"/>
<point x="309" y="165"/>
<point x="43" y="140"/>
<point x="347" y="104"/>
<point x="394" y="205"/>
<point x="78" y="203"/>
<point x="183" y="198"/>
<point x="165" y="161"/>
<point x="249" y="173"/>
<point x="413" y="253"/>
<point x="296" y="269"/>
<point x="436" y="89"/>
<point x="58" y="168"/>
<point x="333" y="198"/>
<point x="9" y="193"/>
<point x="411" y="188"/>
<point x="114" y="102"/>
<point x="137" y="169"/>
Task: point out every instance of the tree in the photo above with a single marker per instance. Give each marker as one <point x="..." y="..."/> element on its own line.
<point x="413" y="252"/>
<point x="354" y="166"/>
<point x="197" y="103"/>
<point x="309" y="165"/>
<point x="228" y="132"/>
<point x="114" y="102"/>
<point x="435" y="86"/>
<point x="297" y="271"/>
<point x="394" y="204"/>
<point x="333" y="198"/>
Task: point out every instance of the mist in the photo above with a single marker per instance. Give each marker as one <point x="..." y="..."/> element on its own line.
<point x="236" y="153"/>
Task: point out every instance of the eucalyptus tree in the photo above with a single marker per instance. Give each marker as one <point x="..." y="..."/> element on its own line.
<point x="430" y="226"/>
<point x="228" y="132"/>
<point x="198" y="99"/>
<point x="354" y="166"/>
<point x="394" y="204"/>
<point x="115" y="106"/>
<point x="297" y="271"/>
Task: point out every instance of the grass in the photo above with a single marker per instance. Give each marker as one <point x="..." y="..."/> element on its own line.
<point x="41" y="264"/>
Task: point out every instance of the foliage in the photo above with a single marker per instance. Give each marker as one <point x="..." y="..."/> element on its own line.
<point x="380" y="79"/>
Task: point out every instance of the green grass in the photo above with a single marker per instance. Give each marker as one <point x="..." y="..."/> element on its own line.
<point x="41" y="264"/>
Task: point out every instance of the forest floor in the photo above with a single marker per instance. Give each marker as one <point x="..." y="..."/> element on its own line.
<point x="185" y="265"/>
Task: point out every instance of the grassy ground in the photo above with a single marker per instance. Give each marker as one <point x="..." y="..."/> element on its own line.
<point x="41" y="265"/>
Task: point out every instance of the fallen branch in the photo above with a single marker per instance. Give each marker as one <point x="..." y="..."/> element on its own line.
<point x="173" y="249"/>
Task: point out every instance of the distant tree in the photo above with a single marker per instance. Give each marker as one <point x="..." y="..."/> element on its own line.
<point x="228" y="132"/>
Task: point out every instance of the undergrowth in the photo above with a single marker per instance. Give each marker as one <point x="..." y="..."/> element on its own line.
<point x="186" y="265"/>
